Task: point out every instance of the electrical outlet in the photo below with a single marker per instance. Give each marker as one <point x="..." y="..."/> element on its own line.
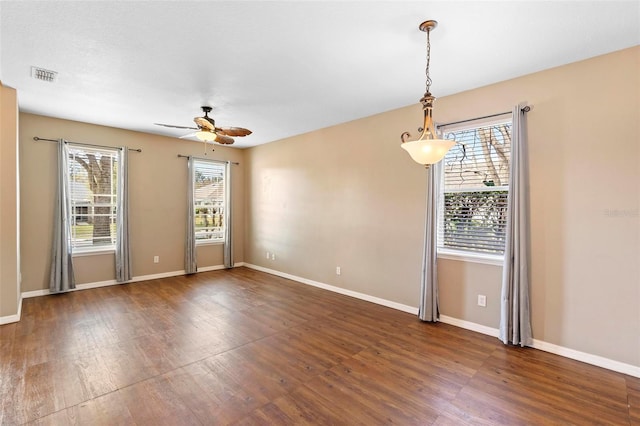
<point x="156" y="259"/>
<point x="482" y="300"/>
<point x="273" y="256"/>
<point x="338" y="271"/>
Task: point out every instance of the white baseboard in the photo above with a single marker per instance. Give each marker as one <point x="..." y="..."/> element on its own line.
<point x="596" y="360"/>
<point x="97" y="284"/>
<point x="8" y="319"/>
<point x="361" y="296"/>
<point x="468" y="325"/>
<point x="211" y="268"/>
<point x="609" y="364"/>
<point x="34" y="293"/>
<point x="587" y="358"/>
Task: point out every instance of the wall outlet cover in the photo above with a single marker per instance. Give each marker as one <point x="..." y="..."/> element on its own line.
<point x="482" y="300"/>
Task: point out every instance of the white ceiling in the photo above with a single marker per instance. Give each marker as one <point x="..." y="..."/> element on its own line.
<point x="282" y="68"/>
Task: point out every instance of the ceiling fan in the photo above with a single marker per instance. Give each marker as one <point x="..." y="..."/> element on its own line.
<point x="207" y="130"/>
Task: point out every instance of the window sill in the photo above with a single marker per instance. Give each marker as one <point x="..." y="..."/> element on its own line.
<point x="487" y="259"/>
<point x="209" y="243"/>
<point x="96" y="252"/>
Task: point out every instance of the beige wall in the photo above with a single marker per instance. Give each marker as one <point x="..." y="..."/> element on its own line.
<point x="335" y="197"/>
<point x="157" y="185"/>
<point x="9" y="206"/>
<point x="349" y="196"/>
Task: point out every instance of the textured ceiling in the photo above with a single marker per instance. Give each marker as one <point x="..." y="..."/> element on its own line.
<point x="282" y="68"/>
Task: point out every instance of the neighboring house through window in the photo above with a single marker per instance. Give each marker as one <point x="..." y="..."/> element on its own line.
<point x="93" y="184"/>
<point x="209" y="206"/>
<point x="475" y="186"/>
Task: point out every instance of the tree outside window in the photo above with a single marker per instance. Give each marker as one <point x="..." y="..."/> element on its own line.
<point x="93" y="182"/>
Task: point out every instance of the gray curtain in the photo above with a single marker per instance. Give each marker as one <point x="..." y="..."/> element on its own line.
<point x="228" y="223"/>
<point x="428" y="310"/>
<point x="123" y="256"/>
<point x="190" y="261"/>
<point x="61" y="278"/>
<point x="515" y="314"/>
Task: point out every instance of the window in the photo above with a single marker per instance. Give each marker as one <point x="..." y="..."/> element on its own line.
<point x="208" y="197"/>
<point x="475" y="189"/>
<point x="93" y="184"/>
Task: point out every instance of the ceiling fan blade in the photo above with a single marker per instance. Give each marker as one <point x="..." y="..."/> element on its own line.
<point x="233" y="131"/>
<point x="204" y="124"/>
<point x="176" y="127"/>
<point x="190" y="135"/>
<point x="224" y="140"/>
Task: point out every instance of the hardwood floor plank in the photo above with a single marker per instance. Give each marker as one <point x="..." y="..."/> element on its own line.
<point x="266" y="415"/>
<point x="267" y="357"/>
<point x="563" y="370"/>
<point x="34" y="393"/>
<point x="324" y="341"/>
<point x="349" y="339"/>
<point x="394" y="399"/>
<point x="471" y="349"/>
<point x="633" y="399"/>
<point x="422" y="376"/>
<point x="106" y="410"/>
<point x="244" y="347"/>
<point x="305" y="408"/>
<point x="493" y="408"/>
<point x="448" y="419"/>
<point x="551" y="392"/>
<point x="531" y="396"/>
<point x="360" y="404"/>
<point x="429" y="362"/>
<point x="154" y="402"/>
<point x="213" y="398"/>
<point x="632" y="382"/>
<point x="258" y="377"/>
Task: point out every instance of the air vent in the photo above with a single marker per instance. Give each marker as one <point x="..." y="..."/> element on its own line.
<point x="43" y="74"/>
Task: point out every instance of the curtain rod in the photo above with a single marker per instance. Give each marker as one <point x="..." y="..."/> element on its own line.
<point x="525" y="109"/>
<point x="36" y="138"/>
<point x="208" y="159"/>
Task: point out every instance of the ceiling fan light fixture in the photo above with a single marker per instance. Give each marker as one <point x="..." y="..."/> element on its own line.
<point x="206" y="136"/>
<point x="207" y="131"/>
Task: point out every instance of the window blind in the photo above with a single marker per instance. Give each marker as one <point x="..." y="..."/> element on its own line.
<point x="473" y="205"/>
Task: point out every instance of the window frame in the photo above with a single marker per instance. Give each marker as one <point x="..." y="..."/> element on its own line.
<point x="221" y="167"/>
<point x="91" y="250"/>
<point x="461" y="254"/>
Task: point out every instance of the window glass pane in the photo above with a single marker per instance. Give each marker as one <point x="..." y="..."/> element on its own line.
<point x="209" y="209"/>
<point x="475" y="190"/>
<point x="93" y="183"/>
<point x="479" y="159"/>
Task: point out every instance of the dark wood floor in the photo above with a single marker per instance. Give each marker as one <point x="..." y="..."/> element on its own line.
<point x="244" y="347"/>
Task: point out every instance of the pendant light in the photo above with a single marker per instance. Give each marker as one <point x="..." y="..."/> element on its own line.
<point x="430" y="147"/>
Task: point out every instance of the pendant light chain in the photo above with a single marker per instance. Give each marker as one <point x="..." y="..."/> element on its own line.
<point x="428" y="61"/>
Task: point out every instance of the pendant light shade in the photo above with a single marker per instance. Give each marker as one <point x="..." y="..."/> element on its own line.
<point x="428" y="151"/>
<point x="429" y="148"/>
